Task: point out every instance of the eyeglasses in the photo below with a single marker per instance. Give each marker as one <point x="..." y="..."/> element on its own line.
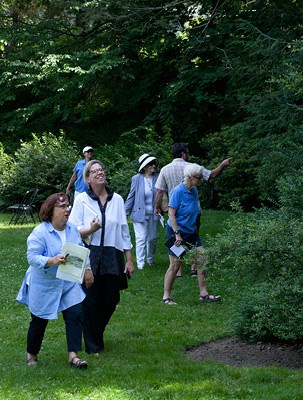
<point x="64" y="206"/>
<point x="198" y="177"/>
<point x="90" y="151"/>
<point x="95" y="171"/>
<point x="152" y="163"/>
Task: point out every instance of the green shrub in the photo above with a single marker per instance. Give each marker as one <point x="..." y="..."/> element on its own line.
<point x="272" y="311"/>
<point x="45" y="163"/>
<point x="6" y="166"/>
<point x="259" y="245"/>
<point x="263" y="250"/>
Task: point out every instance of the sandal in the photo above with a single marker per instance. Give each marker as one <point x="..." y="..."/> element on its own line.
<point x="209" y="297"/>
<point x="32" y="361"/>
<point x="77" y="362"/>
<point x="168" y="301"/>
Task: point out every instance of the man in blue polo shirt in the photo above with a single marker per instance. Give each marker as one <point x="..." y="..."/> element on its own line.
<point x="77" y="176"/>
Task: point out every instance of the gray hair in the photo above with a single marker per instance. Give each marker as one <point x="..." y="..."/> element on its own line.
<point x="192" y="169"/>
<point x="87" y="167"/>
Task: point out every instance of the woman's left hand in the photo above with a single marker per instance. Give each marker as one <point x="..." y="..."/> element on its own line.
<point x="88" y="278"/>
<point x="129" y="267"/>
<point x="178" y="239"/>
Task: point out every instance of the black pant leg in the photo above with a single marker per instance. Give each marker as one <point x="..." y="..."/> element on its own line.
<point x="110" y="298"/>
<point x="91" y="318"/>
<point x="98" y="307"/>
<point x="35" y="334"/>
<point x="73" y="327"/>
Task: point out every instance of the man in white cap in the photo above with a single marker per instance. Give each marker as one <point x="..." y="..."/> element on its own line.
<point x="77" y="176"/>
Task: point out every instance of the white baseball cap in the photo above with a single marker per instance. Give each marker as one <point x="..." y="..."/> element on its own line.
<point x="87" y="148"/>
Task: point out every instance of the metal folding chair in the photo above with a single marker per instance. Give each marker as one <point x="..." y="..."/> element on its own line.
<point x="24" y="211"/>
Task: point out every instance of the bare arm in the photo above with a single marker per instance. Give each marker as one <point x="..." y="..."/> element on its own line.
<point x="158" y="201"/>
<point x="225" y="163"/>
<point x="129" y="265"/>
<point x="70" y="183"/>
<point x="174" y="224"/>
<point x="94" y="226"/>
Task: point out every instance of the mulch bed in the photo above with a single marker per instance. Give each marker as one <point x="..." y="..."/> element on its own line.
<point x="239" y="353"/>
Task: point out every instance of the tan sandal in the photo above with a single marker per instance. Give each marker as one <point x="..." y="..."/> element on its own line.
<point x="209" y="297"/>
<point x="168" y="301"/>
<point x="77" y="362"/>
<point x="32" y="361"/>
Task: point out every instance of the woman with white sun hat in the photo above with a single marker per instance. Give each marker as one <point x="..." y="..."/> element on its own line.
<point x="140" y="204"/>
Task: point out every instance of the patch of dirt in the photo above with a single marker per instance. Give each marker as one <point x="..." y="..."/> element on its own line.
<point x="239" y="353"/>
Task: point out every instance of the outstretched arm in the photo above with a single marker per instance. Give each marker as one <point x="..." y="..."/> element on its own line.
<point x="217" y="171"/>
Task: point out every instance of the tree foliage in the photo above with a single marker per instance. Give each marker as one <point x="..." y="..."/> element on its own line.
<point x="225" y="76"/>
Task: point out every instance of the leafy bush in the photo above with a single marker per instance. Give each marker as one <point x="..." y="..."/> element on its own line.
<point x="44" y="162"/>
<point x="6" y="166"/>
<point x="195" y="257"/>
<point x="47" y="162"/>
<point x="272" y="310"/>
<point x="264" y="250"/>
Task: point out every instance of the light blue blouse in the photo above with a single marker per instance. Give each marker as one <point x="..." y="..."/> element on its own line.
<point x="43" y="293"/>
<point x="186" y="204"/>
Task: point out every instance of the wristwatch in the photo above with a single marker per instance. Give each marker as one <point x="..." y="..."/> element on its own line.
<point x="176" y="231"/>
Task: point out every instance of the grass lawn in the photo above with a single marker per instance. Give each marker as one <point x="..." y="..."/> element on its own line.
<point x="145" y="340"/>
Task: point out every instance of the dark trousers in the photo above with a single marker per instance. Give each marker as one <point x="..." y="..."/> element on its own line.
<point x="73" y="327"/>
<point x="98" y="307"/>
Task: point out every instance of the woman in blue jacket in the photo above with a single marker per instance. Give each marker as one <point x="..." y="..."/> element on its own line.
<point x="42" y="292"/>
<point x="140" y="204"/>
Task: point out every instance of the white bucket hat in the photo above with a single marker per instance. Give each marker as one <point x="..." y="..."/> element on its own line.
<point x="144" y="160"/>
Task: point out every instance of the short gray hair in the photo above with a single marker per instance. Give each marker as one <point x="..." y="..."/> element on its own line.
<point x="192" y="169"/>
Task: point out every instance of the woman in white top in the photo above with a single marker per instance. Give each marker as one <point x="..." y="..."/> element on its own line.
<point x="100" y="217"/>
